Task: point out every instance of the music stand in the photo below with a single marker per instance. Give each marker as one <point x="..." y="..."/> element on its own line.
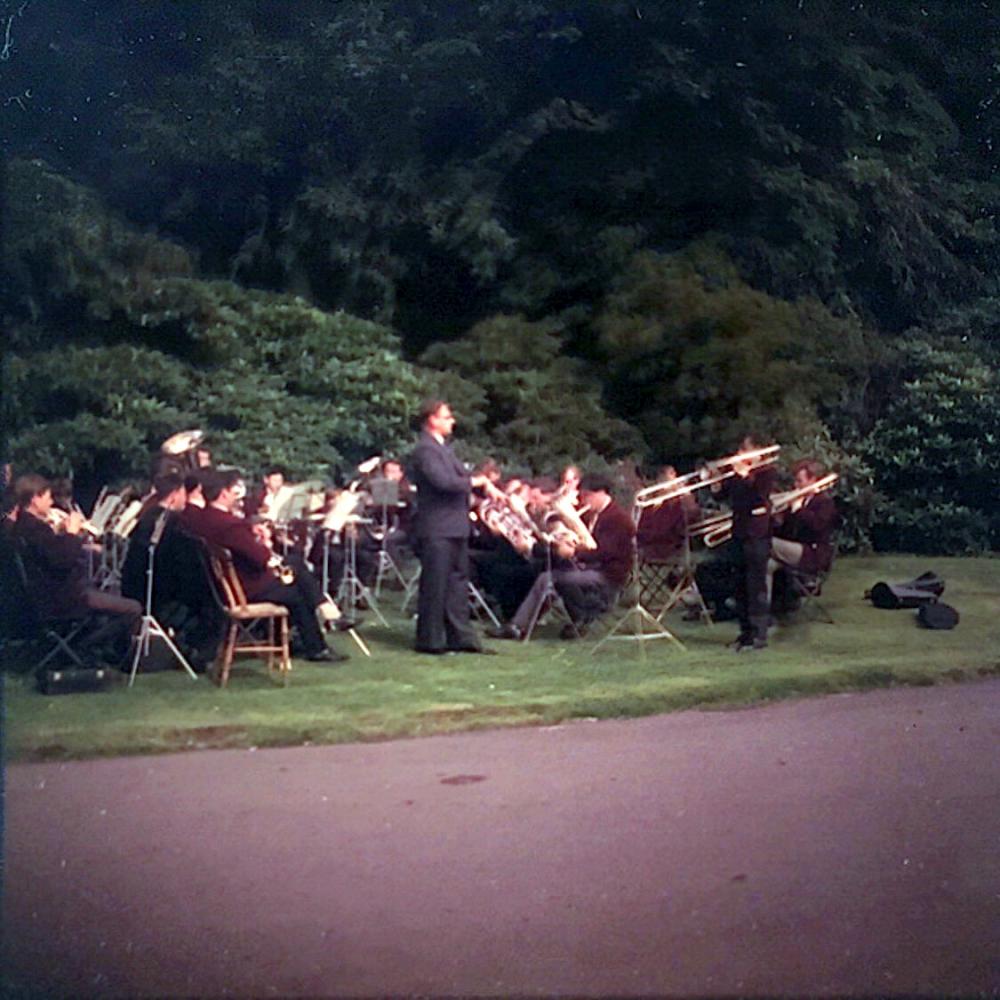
<point x="150" y="626"/>
<point x="550" y="598"/>
<point x="477" y="602"/>
<point x="637" y="618"/>
<point x="352" y="587"/>
<point x="385" y="494"/>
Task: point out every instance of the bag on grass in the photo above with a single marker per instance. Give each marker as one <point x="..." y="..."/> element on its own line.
<point x="921" y="590"/>
<point x="938" y="616"/>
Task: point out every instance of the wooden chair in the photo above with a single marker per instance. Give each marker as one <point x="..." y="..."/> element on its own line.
<point x="244" y="621"/>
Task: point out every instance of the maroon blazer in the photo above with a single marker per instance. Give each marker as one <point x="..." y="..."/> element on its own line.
<point x="190" y="518"/>
<point x="661" y="530"/>
<point x="54" y="565"/>
<point x="613" y="555"/>
<point x="812" y="525"/>
<point x="250" y="557"/>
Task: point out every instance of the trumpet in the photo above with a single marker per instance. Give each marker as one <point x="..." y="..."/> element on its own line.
<point x="58" y="518"/>
<point x="285" y="572"/>
<point x="709" y="475"/>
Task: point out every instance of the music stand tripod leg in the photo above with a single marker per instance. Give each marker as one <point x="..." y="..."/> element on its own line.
<point x="150" y="626"/>
<point x="481" y="602"/>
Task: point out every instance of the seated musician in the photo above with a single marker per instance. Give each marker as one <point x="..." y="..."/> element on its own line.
<point x="181" y="595"/>
<point x="804" y="539"/>
<point x="662" y="530"/>
<point x="506" y="563"/>
<point x="569" y="483"/>
<point x="587" y="581"/>
<point x="261" y="502"/>
<point x="397" y="520"/>
<point x="256" y="564"/>
<point x="55" y="566"/>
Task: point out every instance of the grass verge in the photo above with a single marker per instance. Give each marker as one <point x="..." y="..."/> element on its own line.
<point x="398" y="693"/>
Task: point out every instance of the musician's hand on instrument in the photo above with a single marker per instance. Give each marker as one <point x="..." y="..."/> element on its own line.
<point x="73" y="523"/>
<point x="742" y="468"/>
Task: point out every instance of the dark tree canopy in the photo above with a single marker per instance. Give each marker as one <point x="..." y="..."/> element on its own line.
<point x="681" y="218"/>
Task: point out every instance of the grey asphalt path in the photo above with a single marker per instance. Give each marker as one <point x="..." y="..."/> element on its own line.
<point x="841" y="845"/>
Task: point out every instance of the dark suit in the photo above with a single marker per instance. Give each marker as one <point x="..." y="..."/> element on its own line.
<point x="441" y="536"/>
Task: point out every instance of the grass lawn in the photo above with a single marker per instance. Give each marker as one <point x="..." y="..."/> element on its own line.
<point x="400" y="693"/>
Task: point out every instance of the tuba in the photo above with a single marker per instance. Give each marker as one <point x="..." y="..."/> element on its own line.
<point x="181" y="449"/>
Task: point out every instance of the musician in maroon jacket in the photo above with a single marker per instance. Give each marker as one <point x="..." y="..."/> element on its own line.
<point x="661" y="530"/>
<point x="804" y="539"/>
<point x="54" y="563"/>
<point x="590" y="582"/>
<point x="255" y="563"/>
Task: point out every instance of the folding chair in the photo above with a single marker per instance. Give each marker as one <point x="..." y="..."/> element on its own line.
<point x="808" y="587"/>
<point x="244" y="621"/>
<point x="59" y="634"/>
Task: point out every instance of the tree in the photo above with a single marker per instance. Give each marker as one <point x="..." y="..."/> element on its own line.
<point x="532" y="404"/>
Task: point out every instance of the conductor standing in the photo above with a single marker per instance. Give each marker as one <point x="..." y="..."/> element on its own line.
<point x="441" y="535"/>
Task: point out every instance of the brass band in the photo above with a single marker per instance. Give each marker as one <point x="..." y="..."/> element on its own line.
<point x="521" y="544"/>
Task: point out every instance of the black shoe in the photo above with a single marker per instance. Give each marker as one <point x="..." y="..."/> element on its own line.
<point x="743" y="639"/>
<point x="752" y="646"/>
<point x="327" y="656"/>
<point x="573" y="630"/>
<point x="345" y="624"/>
<point x="505" y="632"/>
<point x="481" y="650"/>
<point x="430" y="650"/>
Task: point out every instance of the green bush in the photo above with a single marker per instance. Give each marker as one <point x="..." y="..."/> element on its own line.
<point x="935" y="450"/>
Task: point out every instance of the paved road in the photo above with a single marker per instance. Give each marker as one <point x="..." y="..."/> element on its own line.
<point x="839" y="845"/>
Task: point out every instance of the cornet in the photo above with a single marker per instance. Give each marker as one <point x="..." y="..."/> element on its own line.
<point x="57" y="518"/>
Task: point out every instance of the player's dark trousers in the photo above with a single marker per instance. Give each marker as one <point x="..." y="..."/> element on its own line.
<point x="300" y="598"/>
<point x="751" y="595"/>
<point x="443" y="601"/>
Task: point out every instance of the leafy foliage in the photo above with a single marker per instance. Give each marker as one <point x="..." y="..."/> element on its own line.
<point x="269" y="377"/>
<point x="936" y="450"/>
<point x="534" y="404"/>
<point x="696" y="358"/>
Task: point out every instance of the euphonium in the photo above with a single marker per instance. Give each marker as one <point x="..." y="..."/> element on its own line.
<point x="571" y="517"/>
<point x="509" y="519"/>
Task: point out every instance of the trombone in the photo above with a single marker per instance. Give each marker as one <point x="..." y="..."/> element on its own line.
<point x="708" y="475"/>
<point x="717" y="529"/>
